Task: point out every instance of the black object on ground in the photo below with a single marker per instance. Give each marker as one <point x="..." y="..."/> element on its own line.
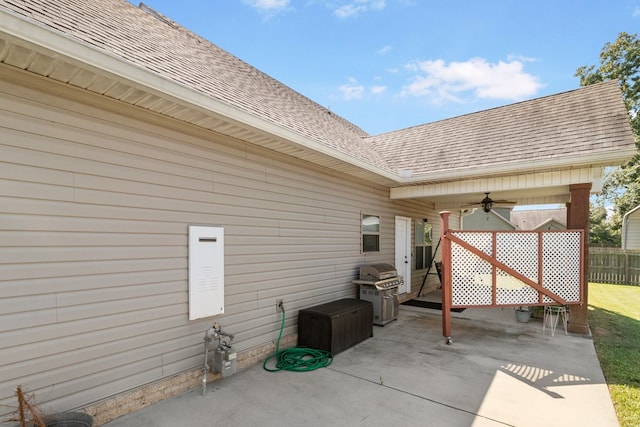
<point x="429" y="304"/>
<point x="335" y="326"/>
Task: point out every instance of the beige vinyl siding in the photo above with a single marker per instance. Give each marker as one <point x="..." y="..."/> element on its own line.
<point x="94" y="209"/>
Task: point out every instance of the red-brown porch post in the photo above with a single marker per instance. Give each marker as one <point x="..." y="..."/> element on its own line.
<point x="446" y="276"/>
<point x="578" y="218"/>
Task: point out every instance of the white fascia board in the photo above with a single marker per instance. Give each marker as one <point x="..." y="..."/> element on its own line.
<point x="502" y="183"/>
<point x="83" y="53"/>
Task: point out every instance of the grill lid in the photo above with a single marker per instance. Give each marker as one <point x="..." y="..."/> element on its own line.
<point x="377" y="271"/>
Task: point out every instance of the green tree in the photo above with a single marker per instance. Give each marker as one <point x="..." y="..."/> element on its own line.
<point x="619" y="60"/>
<point x="601" y="233"/>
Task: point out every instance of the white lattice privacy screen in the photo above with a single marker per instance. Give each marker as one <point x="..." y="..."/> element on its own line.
<point x="551" y="259"/>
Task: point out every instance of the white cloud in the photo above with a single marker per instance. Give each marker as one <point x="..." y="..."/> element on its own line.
<point x="384" y="50"/>
<point x="268" y="6"/>
<point x="348" y="10"/>
<point x="458" y="81"/>
<point x="636" y="12"/>
<point x="520" y="58"/>
<point x="355" y="7"/>
<point x="352" y="90"/>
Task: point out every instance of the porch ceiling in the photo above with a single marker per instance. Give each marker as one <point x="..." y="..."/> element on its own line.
<point x="527" y="188"/>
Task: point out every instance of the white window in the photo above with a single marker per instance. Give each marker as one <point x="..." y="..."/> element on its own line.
<point x="423" y="244"/>
<point x="370" y="233"/>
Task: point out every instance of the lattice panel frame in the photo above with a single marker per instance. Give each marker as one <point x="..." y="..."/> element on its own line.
<point x="561" y="259"/>
<point x="465" y="290"/>
<point x="518" y="251"/>
<point x="559" y="252"/>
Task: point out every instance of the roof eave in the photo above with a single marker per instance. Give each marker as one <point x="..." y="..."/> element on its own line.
<point x="82" y="54"/>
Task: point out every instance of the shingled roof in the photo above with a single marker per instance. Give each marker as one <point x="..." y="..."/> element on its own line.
<point x="587" y="126"/>
<point x="580" y="127"/>
<point x="159" y="45"/>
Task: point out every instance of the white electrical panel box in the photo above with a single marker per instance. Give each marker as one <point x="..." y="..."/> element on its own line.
<point x="206" y="271"/>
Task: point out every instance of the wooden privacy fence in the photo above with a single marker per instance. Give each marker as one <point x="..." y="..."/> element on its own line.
<point x="509" y="268"/>
<point x="614" y="265"/>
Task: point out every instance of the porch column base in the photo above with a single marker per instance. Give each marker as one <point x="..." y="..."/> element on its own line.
<point x="578" y="328"/>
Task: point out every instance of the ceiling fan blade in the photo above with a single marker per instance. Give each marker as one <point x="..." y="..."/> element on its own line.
<point x="487" y="203"/>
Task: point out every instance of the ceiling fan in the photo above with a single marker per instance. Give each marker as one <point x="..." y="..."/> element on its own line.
<point x="487" y="203"/>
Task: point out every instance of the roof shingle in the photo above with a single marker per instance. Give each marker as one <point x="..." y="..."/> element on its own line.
<point x="590" y="119"/>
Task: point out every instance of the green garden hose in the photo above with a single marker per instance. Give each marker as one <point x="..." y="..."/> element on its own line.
<point x="297" y="359"/>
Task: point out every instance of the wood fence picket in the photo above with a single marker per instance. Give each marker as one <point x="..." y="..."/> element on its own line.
<point x="614" y="265"/>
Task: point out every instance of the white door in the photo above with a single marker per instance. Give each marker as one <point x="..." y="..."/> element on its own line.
<point x="403" y="252"/>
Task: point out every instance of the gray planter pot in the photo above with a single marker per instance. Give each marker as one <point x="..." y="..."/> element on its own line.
<point x="523" y="316"/>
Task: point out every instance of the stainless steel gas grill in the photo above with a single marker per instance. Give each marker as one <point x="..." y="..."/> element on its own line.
<point x="379" y="284"/>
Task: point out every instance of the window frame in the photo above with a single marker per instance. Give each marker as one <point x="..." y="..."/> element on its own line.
<point x="366" y="234"/>
<point x="423" y="239"/>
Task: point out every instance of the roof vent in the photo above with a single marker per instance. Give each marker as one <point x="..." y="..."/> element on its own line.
<point x="156" y="14"/>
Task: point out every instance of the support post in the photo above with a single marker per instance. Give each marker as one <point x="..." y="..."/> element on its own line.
<point x="578" y="218"/>
<point x="446" y="276"/>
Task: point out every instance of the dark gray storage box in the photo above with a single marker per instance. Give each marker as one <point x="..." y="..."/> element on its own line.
<point x="335" y="326"/>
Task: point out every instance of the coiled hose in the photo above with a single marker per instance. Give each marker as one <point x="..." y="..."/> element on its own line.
<point x="297" y="359"/>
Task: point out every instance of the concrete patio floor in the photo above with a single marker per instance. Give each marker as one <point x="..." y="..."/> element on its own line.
<point x="497" y="372"/>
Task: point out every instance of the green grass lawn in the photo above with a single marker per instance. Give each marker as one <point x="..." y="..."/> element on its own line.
<point x="614" y="317"/>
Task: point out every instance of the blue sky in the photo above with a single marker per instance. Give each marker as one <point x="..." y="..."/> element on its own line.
<point x="391" y="64"/>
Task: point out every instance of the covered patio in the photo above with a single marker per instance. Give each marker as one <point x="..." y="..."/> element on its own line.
<point x="121" y="130"/>
<point x="497" y="373"/>
<point x="574" y="194"/>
